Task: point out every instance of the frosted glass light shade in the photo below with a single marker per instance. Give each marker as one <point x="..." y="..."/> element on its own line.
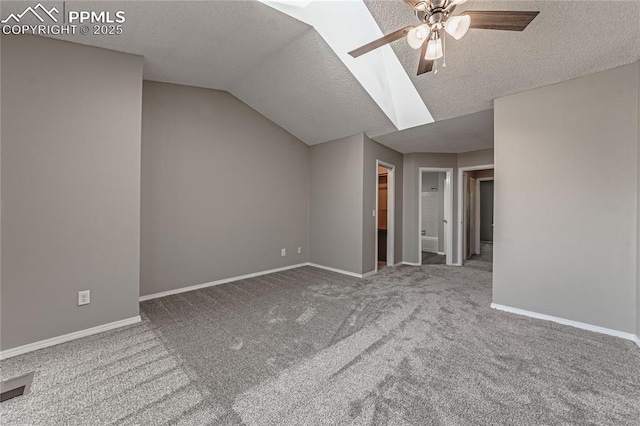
<point x="434" y="50"/>
<point x="458" y="26"/>
<point x="417" y="36"/>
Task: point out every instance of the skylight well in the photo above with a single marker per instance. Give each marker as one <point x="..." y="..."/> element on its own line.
<point x="347" y="24"/>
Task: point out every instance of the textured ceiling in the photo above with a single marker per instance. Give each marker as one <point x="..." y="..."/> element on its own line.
<point x="284" y="69"/>
<point x="568" y="39"/>
<point x="461" y="134"/>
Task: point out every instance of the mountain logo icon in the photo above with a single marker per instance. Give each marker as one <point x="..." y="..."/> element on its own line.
<point x="33" y="11"/>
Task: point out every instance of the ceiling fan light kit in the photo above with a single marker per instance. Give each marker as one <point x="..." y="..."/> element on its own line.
<point x="436" y="17"/>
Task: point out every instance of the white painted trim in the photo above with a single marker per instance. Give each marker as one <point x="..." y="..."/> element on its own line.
<point x="448" y="210"/>
<point x="412" y="263"/>
<point x="637" y="340"/>
<point x="397" y="264"/>
<point x="461" y="233"/>
<point x="218" y="282"/>
<point x="67" y="337"/>
<point x="368" y="274"/>
<point x="339" y="271"/>
<point x="391" y="208"/>
<point x="476" y="249"/>
<point x="563" y="321"/>
<point x="441" y="253"/>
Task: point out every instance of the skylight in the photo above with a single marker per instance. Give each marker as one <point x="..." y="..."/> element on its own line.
<point x="347" y="24"/>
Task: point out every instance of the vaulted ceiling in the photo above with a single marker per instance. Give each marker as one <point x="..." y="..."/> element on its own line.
<point x="283" y="68"/>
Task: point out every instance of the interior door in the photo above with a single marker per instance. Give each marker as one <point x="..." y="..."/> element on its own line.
<point x="472" y="217"/>
<point x="486" y="211"/>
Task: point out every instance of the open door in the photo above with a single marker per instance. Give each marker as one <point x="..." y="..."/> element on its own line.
<point x="385" y="214"/>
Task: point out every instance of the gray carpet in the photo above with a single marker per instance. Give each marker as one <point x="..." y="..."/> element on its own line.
<point x="411" y="345"/>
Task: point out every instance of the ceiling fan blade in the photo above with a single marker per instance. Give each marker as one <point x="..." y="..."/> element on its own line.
<point x="500" y="19"/>
<point x="425" y="65"/>
<point x="380" y="42"/>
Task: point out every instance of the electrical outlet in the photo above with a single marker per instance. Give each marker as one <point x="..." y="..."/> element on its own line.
<point x="84" y="297"/>
<point x="299" y="249"/>
<point x="374" y="213"/>
<point x="283" y="252"/>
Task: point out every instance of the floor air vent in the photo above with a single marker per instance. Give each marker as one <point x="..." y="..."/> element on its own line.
<point x="15" y="387"/>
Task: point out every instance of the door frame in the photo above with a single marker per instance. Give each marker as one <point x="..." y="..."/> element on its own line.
<point x="448" y="211"/>
<point x="461" y="233"/>
<point x="391" y="212"/>
<point x="482" y="179"/>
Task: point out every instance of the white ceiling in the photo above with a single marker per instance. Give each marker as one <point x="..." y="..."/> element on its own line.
<point x="284" y="69"/>
<point x="470" y="132"/>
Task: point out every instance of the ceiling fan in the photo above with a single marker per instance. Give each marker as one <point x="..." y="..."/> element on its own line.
<point x="437" y="19"/>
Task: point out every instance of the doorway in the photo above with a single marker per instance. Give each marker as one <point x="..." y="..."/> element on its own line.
<point x="475" y="210"/>
<point x="385" y="214"/>
<point x="435" y="210"/>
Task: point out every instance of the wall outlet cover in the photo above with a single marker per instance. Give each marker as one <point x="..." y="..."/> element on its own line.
<point x="283" y="252"/>
<point x="84" y="297"/>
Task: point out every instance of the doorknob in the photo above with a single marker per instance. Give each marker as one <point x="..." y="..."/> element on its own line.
<point x="445" y="220"/>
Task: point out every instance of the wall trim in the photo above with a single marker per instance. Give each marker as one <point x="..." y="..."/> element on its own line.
<point x="368" y="274"/>
<point x="412" y="263"/>
<point x="563" y="321"/>
<point x="339" y="271"/>
<point x="441" y="253"/>
<point x="637" y="340"/>
<point x="30" y="347"/>
<point x="218" y="282"/>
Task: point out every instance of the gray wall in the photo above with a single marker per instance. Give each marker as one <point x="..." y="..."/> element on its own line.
<point x="638" y="224"/>
<point x="337" y="204"/>
<point x="70" y="187"/>
<point x="412" y="164"/>
<point x="223" y="189"/>
<point x="558" y="149"/>
<point x="374" y="151"/>
<point x="476" y="158"/>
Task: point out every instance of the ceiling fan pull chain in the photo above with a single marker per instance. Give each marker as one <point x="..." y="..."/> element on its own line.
<point x="444" y="48"/>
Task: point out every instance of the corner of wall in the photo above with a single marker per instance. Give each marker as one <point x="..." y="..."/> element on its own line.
<point x="638" y="223"/>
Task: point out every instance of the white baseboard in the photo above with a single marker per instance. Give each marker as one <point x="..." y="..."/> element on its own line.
<point x="412" y="263"/>
<point x="368" y="274"/>
<point x="339" y="271"/>
<point x="637" y="340"/>
<point x="397" y="264"/>
<point x="218" y="282"/>
<point x="441" y="253"/>
<point x="576" y="324"/>
<point x="67" y="337"/>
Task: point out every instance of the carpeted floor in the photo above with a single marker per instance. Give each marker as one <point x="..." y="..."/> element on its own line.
<point x="410" y="345"/>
